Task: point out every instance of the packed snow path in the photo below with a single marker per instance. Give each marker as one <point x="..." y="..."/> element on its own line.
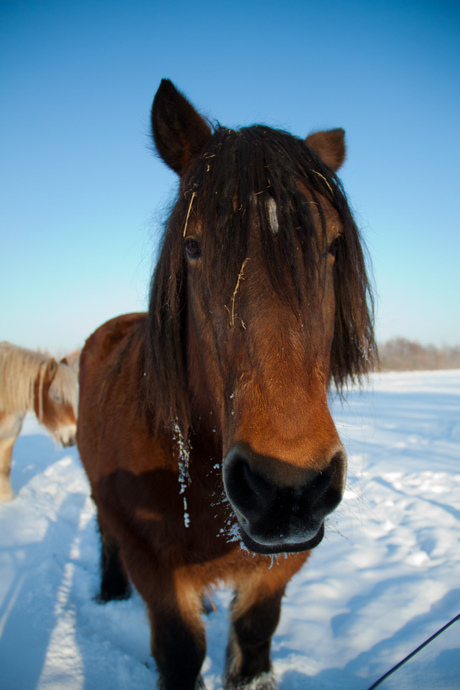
<point x="385" y="578"/>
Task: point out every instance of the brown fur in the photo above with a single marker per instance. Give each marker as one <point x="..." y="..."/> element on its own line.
<point x="204" y="426"/>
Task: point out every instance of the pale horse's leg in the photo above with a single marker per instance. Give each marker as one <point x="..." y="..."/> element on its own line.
<point x="10" y="428"/>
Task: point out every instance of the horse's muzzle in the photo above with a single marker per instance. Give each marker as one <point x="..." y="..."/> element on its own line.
<point x="67" y="436"/>
<point x="274" y="517"/>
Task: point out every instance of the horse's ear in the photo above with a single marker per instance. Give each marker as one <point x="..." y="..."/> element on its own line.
<point x="179" y="132"/>
<point x="52" y="368"/>
<point x="65" y="361"/>
<point x="330" y="146"/>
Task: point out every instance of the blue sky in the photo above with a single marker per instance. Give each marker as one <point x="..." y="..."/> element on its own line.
<point x="82" y="196"/>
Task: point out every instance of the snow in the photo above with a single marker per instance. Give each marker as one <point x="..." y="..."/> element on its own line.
<point x="385" y="578"/>
<point x="184" y="458"/>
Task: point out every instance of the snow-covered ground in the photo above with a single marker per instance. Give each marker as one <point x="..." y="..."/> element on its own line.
<point x="385" y="578"/>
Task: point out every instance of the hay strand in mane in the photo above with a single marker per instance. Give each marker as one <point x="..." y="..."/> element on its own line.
<point x="240" y="278"/>
<point x="188" y="214"/>
<point x="322" y="177"/>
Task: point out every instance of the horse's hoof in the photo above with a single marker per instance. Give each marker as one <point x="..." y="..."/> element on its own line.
<point x="105" y="597"/>
<point x="266" y="681"/>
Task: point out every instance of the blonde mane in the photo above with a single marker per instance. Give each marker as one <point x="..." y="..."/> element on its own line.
<point x="19" y="371"/>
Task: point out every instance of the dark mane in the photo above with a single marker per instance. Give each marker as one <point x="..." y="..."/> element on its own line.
<point x="227" y="189"/>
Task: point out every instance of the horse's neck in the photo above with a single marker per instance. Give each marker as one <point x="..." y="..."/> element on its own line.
<point x="21" y="385"/>
<point x="206" y="445"/>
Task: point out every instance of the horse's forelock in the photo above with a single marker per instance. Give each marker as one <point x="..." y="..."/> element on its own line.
<point x="232" y="182"/>
<point x="64" y="385"/>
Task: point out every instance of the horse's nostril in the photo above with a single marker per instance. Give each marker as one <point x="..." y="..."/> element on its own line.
<point x="246" y="489"/>
<point x="337" y="471"/>
<point x="319" y="485"/>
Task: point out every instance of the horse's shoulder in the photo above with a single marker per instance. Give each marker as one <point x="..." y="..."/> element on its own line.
<point x="104" y="347"/>
<point x="111" y="335"/>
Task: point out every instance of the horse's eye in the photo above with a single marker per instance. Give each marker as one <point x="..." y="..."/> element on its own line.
<point x="193" y="248"/>
<point x="334" y="247"/>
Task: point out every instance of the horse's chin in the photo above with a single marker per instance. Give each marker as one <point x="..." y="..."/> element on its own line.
<point x="281" y="547"/>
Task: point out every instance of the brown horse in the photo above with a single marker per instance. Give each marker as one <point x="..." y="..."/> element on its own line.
<point x="204" y="425"/>
<point x="32" y="381"/>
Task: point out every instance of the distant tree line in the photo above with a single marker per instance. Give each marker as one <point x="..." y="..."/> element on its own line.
<point x="400" y="354"/>
<point x="397" y="354"/>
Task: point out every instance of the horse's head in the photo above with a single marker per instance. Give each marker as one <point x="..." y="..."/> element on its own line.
<point x="56" y="399"/>
<point x="259" y="300"/>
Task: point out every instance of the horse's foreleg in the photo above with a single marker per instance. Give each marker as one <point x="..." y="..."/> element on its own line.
<point x="178" y="640"/>
<point x="6" y="454"/>
<point x="10" y="428"/>
<point x="178" y="647"/>
<point x="248" y="652"/>
<point x="114" y="581"/>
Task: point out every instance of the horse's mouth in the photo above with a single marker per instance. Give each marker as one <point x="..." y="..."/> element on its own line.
<point x="68" y="442"/>
<point x="277" y="547"/>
